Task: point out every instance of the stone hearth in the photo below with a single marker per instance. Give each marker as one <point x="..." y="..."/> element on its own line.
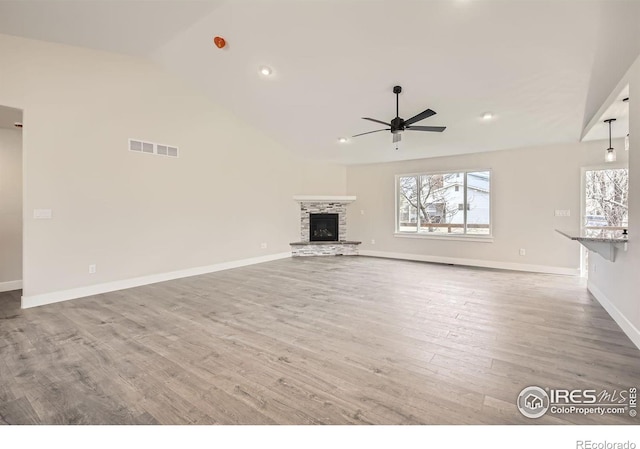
<point x="324" y="248"/>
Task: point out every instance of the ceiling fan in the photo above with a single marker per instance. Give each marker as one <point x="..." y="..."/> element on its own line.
<point x="398" y="124"/>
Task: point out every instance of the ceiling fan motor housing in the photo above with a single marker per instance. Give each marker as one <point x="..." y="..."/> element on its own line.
<point x="397" y="125"/>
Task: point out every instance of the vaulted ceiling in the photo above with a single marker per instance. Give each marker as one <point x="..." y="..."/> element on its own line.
<point x="542" y="67"/>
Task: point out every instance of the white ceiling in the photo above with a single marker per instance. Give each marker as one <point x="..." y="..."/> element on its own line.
<point x="132" y="27"/>
<point x="617" y="109"/>
<point x="537" y="64"/>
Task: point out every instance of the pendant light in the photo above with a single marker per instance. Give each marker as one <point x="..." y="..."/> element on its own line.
<point x="610" y="155"/>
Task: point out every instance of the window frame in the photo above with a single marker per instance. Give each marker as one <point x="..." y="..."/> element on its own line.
<point x="583" y="173"/>
<point x="618" y="165"/>
<point x="486" y="238"/>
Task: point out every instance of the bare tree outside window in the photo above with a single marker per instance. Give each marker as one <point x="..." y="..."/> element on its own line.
<point x="606" y="199"/>
<point x="435" y="203"/>
<point x="408" y="204"/>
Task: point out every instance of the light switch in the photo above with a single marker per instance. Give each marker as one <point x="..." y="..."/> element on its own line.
<point x="42" y="214"/>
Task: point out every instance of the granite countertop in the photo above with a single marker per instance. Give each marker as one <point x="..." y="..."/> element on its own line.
<point x="595" y="235"/>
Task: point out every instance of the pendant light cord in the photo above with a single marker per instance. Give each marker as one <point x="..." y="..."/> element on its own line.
<point x="609" y="122"/>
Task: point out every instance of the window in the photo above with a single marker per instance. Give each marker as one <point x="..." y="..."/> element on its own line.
<point x="445" y="203"/>
<point x="606" y="193"/>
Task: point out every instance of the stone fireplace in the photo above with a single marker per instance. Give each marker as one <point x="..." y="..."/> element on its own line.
<point x="323" y="227"/>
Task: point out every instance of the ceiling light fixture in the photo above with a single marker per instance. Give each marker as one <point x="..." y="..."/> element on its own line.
<point x="487" y="116"/>
<point x="343" y="140"/>
<point x="265" y="71"/>
<point x="610" y="155"/>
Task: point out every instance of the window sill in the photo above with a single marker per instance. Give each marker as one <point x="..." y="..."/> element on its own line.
<point x="460" y="238"/>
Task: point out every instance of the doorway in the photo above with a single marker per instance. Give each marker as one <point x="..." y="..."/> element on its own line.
<point x="11" y="199"/>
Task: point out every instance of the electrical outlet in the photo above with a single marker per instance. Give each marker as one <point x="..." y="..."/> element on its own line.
<point x="373" y="241"/>
<point x="263" y="245"/>
<point x="522" y="252"/>
<point x="92" y="268"/>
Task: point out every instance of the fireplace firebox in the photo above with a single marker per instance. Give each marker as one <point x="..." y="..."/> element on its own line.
<point x="323" y="227"/>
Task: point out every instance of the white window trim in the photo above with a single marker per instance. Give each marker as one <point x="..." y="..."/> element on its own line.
<point x="459" y="237"/>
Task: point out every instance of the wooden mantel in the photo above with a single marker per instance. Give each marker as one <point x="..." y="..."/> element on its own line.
<point x="324" y="198"/>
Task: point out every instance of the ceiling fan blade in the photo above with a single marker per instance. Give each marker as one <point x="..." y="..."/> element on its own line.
<point x="435" y="129"/>
<point x="376" y="131"/>
<point x="416" y="118"/>
<point x="377" y="121"/>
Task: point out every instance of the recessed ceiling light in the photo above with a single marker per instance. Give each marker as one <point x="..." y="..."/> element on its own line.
<point x="265" y="71"/>
<point x="487" y="116"/>
<point x="343" y="140"/>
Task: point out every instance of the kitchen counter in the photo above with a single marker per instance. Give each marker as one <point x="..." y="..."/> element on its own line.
<point x="596" y="235"/>
<point x="601" y="241"/>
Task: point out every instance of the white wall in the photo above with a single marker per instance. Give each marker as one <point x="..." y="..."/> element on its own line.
<point x="528" y="185"/>
<point x="615" y="284"/>
<point x="136" y="215"/>
<point x="10" y="209"/>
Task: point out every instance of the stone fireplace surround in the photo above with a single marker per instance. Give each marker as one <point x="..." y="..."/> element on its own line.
<point x="316" y="204"/>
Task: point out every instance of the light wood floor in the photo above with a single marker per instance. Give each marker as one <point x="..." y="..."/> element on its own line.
<point x="331" y="340"/>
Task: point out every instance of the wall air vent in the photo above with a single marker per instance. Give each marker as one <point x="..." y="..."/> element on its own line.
<point x="147" y="147"/>
<point x="141" y="146"/>
<point x="135" y="145"/>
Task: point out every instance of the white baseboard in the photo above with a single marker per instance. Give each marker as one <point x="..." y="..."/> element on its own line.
<point x="90" y="290"/>
<point x="10" y="286"/>
<point x="474" y="263"/>
<point x="627" y="326"/>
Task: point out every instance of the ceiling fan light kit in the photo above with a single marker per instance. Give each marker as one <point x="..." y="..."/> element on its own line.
<point x="398" y="124"/>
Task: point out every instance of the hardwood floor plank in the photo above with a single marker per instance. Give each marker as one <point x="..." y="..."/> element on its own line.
<point x="319" y="340"/>
<point x="17" y="411"/>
